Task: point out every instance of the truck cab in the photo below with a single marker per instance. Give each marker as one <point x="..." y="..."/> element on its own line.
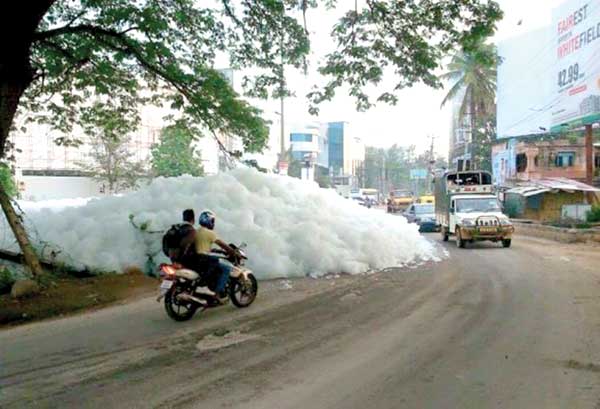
<point x="467" y="209"/>
<point x="399" y="200"/>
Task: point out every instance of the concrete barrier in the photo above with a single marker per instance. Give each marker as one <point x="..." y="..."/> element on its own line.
<point x="561" y="234"/>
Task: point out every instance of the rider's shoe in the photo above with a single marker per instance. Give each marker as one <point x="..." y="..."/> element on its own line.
<point x="222" y="298"/>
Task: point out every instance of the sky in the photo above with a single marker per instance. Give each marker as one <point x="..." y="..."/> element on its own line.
<point x="417" y="114"/>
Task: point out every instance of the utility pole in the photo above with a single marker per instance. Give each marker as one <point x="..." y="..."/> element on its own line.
<point x="282" y="153"/>
<point x="589" y="154"/>
<point x="430" y="164"/>
<point x="283" y="166"/>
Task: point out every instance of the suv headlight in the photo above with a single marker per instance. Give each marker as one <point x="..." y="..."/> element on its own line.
<point x="467" y="222"/>
<point x="505" y="222"/>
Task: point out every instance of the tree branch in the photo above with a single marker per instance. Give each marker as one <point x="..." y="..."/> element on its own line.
<point x="82" y="28"/>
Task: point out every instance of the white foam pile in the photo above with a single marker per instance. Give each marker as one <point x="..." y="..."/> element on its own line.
<point x="292" y="227"/>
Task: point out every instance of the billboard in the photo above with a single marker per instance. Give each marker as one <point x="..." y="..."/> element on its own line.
<point x="524" y="84"/>
<point x="549" y="78"/>
<point x="576" y="32"/>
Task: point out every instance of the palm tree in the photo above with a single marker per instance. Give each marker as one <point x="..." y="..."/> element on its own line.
<point x="473" y="73"/>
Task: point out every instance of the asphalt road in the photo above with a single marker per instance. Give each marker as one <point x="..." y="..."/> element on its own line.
<point x="486" y="328"/>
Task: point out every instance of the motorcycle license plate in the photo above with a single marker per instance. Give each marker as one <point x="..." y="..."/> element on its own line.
<point x="166" y="285"/>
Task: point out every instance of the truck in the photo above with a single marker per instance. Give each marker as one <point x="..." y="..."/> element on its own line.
<point x="467" y="208"/>
<point x="399" y="200"/>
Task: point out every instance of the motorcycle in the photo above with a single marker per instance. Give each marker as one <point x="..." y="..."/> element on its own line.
<point x="185" y="291"/>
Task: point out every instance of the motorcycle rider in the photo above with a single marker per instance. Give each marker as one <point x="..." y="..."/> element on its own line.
<point x="189" y="217"/>
<point x="203" y="241"/>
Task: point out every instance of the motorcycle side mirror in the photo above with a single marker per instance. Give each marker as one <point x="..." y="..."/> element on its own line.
<point x="243" y="245"/>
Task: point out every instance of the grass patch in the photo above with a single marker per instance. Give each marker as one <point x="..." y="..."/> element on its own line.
<point x="68" y="295"/>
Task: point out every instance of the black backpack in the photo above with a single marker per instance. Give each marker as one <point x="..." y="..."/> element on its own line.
<point x="172" y="240"/>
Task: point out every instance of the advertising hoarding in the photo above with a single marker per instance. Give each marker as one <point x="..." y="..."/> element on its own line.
<point x="549" y="79"/>
<point x="524" y="84"/>
<point x="576" y="96"/>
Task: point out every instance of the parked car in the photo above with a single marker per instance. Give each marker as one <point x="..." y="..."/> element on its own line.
<point x="422" y="214"/>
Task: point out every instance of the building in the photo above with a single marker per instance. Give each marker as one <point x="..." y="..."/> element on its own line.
<point x="306" y="143"/>
<point x="329" y="149"/>
<point x="535" y="158"/>
<point x="45" y="170"/>
<point x="590" y="105"/>
<point x="550" y="200"/>
<point x="346" y="154"/>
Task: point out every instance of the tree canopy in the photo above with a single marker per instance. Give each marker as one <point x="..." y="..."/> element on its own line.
<point x="472" y="73"/>
<point x="166" y="51"/>
<point x="111" y="162"/>
<point x="175" y="154"/>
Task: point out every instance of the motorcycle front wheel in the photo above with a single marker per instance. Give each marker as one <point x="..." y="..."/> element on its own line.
<point x="178" y="310"/>
<point x="243" y="293"/>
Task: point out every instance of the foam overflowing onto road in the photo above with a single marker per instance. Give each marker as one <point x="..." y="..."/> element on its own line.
<point x="292" y="227"/>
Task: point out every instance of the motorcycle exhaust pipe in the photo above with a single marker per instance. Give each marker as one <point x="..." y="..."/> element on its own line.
<point x="188" y="297"/>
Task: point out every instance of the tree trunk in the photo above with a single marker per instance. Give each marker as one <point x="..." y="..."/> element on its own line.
<point x="473" y="132"/>
<point x="31" y="259"/>
<point x="18" y="24"/>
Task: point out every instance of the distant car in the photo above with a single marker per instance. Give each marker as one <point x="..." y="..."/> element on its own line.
<point x="422" y="214"/>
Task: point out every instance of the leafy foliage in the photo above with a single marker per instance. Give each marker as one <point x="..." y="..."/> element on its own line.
<point x="594" y="215"/>
<point x="390" y="168"/>
<point x="294" y="168"/>
<point x="175" y="155"/>
<point x="7" y="279"/>
<point x="473" y="76"/>
<point x="111" y="162"/>
<point x="484" y="138"/>
<point x="472" y="73"/>
<point x="7" y="181"/>
<point x="165" y="51"/>
<point x="408" y="38"/>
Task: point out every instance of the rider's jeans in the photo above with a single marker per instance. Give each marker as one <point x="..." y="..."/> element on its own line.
<point x="224" y="270"/>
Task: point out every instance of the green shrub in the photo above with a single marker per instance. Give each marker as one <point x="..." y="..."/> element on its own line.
<point x="7" y="181"/>
<point x="6" y="280"/>
<point x="593" y="215"/>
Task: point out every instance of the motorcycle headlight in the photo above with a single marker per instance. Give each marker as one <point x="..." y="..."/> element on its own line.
<point x="467" y="222"/>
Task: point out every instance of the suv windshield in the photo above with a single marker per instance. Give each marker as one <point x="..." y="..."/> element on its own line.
<point x="424" y="209"/>
<point x="477" y="205"/>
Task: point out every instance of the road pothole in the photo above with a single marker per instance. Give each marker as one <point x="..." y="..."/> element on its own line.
<point x="222" y="340"/>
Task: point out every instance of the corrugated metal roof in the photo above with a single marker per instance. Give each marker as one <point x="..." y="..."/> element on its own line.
<point x="538" y="186"/>
<point x="565" y="184"/>
<point x="528" y="190"/>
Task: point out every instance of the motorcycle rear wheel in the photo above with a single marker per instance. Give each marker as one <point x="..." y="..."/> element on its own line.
<point x="178" y="311"/>
<point x="243" y="294"/>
